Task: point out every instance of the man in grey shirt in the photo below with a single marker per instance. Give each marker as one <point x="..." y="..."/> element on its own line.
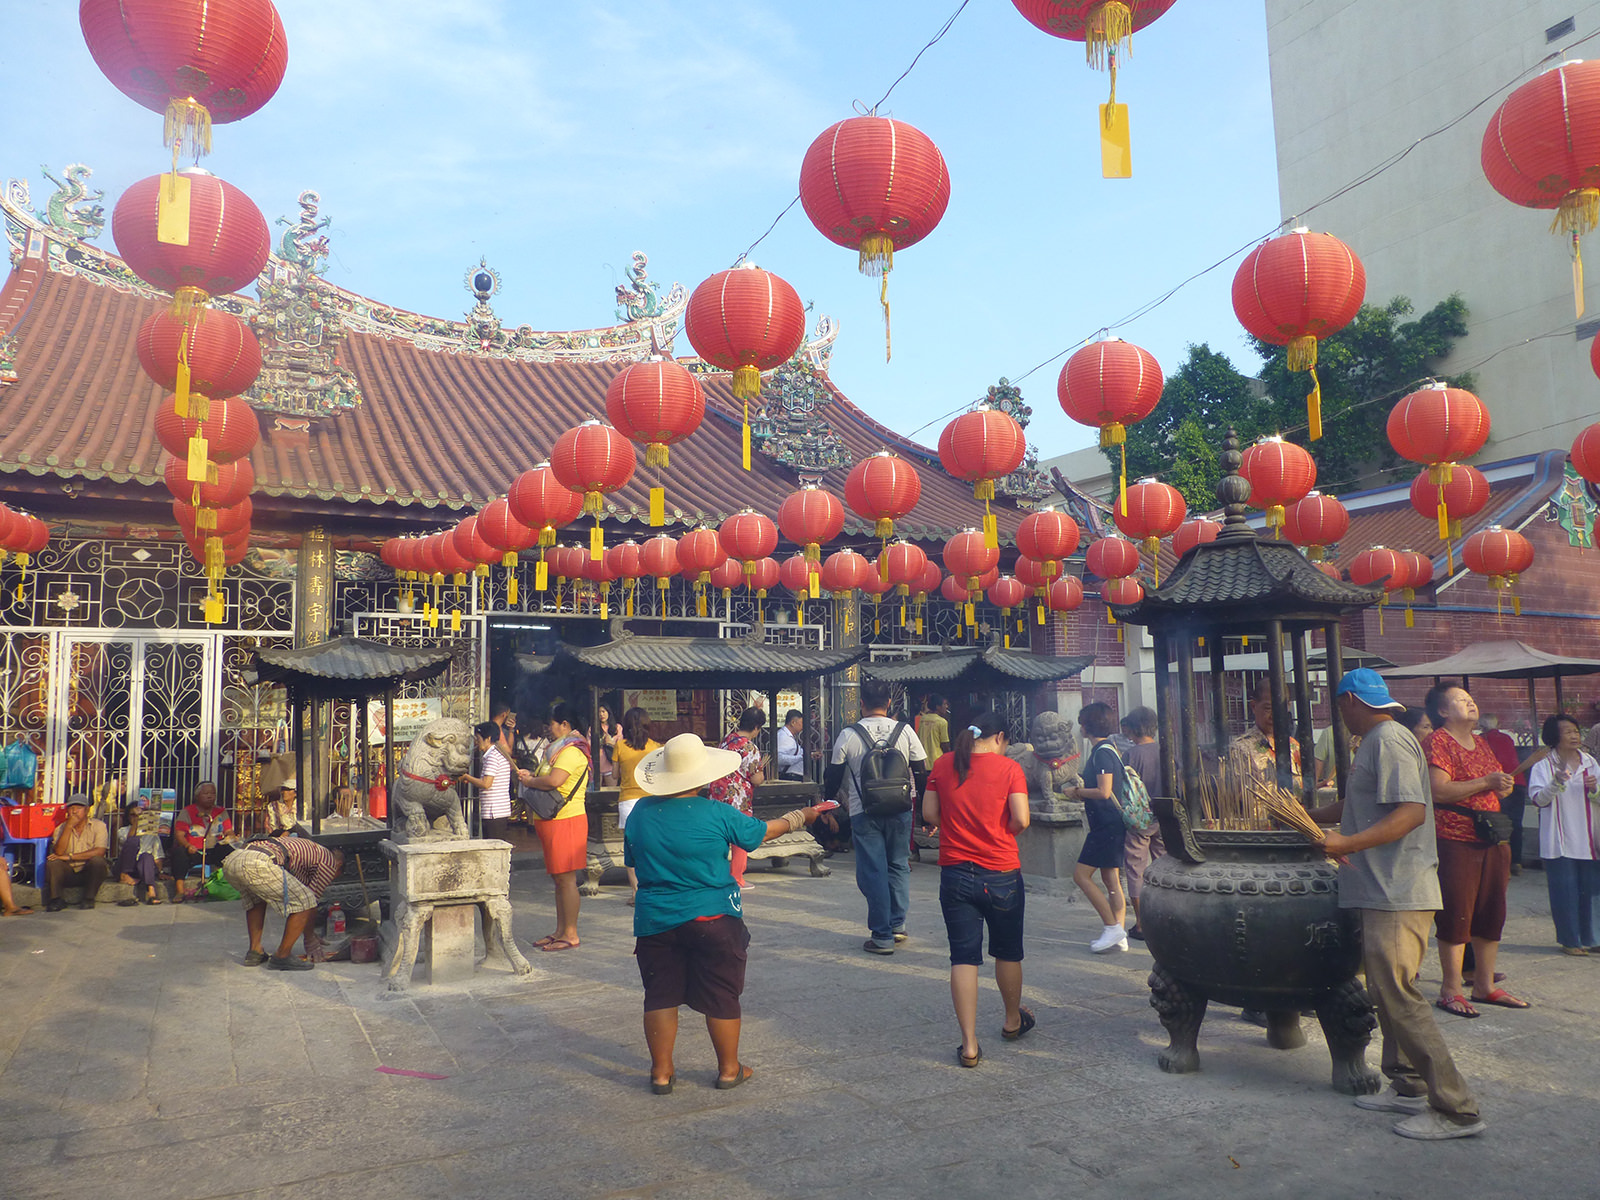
<point x="1389" y="872"/>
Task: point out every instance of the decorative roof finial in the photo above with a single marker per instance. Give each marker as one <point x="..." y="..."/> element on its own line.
<point x="1233" y="489"/>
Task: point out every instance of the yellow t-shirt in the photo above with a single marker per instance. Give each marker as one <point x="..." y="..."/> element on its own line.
<point x="935" y="732"/>
<point x="576" y="764"/>
<point x="627" y="758"/>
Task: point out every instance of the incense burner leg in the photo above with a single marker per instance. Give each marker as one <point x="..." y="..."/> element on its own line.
<point x="497" y="931"/>
<point x="1181" y="1008"/>
<point x="818" y="867"/>
<point x="1284" y="1031"/>
<point x="591" y="881"/>
<point x="409" y="921"/>
<point x="1347" y="1021"/>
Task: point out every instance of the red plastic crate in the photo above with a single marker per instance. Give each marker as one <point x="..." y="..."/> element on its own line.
<point x="32" y="820"/>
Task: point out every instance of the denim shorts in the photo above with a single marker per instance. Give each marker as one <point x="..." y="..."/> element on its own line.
<point x="972" y="897"/>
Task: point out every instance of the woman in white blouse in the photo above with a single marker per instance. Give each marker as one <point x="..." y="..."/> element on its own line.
<point x="1566" y="787"/>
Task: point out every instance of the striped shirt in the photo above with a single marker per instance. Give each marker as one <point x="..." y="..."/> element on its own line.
<point x="495" y="800"/>
<point x="313" y="865"/>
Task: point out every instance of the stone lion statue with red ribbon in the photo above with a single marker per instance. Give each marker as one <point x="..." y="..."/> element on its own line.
<point x="425" y="786"/>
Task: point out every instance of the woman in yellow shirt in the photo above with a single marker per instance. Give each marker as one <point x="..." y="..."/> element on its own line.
<point x="565" y="836"/>
<point x="634" y="744"/>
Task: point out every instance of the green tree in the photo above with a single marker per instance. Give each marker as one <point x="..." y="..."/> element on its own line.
<point x="1363" y="369"/>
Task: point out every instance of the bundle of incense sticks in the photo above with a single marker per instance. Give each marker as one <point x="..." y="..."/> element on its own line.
<point x="1227" y="803"/>
<point x="1285" y="807"/>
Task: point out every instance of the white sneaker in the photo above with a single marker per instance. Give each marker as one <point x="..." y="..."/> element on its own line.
<point x="1390" y="1100"/>
<point x="1433" y="1126"/>
<point x="1113" y="937"/>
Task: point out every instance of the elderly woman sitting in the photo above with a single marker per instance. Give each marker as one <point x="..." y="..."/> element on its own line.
<point x="691" y="937"/>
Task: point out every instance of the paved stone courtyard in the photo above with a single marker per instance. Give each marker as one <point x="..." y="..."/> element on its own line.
<point x="139" y="1059"/>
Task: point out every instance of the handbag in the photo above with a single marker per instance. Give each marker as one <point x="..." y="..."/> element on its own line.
<point x="1492" y="828"/>
<point x="546" y="804"/>
<point x="1134" y="802"/>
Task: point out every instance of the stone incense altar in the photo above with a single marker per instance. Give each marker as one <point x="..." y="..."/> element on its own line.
<point x="1249" y="914"/>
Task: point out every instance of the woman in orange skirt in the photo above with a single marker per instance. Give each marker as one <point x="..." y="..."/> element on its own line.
<point x="565" y="837"/>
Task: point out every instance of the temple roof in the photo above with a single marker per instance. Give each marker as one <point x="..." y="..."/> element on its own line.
<point x="690" y="662"/>
<point x="981" y="669"/>
<point x="430" y="425"/>
<point x="347" y="666"/>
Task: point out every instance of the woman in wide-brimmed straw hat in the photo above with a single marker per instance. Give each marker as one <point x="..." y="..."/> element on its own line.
<point x="691" y="937"/>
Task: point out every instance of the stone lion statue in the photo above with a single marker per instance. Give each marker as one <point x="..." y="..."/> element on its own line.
<point x="426" y="787"/>
<point x="1050" y="763"/>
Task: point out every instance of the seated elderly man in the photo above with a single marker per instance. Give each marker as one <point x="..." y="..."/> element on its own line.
<point x="77" y="856"/>
<point x="290" y="874"/>
<point x="199" y="835"/>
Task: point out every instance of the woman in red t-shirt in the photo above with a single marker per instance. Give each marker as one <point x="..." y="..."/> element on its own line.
<point x="1473" y="873"/>
<point x="978" y="798"/>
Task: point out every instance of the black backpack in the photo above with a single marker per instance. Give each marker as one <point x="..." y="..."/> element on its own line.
<point x="883" y="777"/>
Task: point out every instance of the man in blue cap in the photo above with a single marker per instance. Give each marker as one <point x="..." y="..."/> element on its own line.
<point x="1389" y="872"/>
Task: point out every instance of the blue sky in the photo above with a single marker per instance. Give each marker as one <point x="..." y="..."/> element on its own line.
<point x="554" y="139"/>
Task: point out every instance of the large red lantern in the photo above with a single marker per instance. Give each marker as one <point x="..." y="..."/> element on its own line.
<point x="1065" y="594"/>
<point x="625" y="561"/>
<point x="1108" y="386"/>
<point x="1112" y="558"/>
<point x="198" y="62"/>
<point x="747" y="321"/>
<point x="1381" y="565"/>
<point x="809" y="517"/>
<point x="980" y="447"/>
<point x="1048" y="534"/>
<point x="1123" y="590"/>
<point x="967" y="556"/>
<point x="1036" y="574"/>
<point x="1294" y="291"/>
<point x="223" y="522"/>
<point x="843" y="571"/>
<point x="501" y="529"/>
<point x="1463" y="496"/>
<point x="542" y="502"/>
<point x="873" y="184"/>
<point x="1153" y="510"/>
<point x="593" y="458"/>
<point x="658" y="404"/>
<point x="228" y="432"/>
<point x="1194" y="533"/>
<point x="763" y="577"/>
<point x="234" y="481"/>
<point x="1315" y="522"/>
<point x="223" y="250"/>
<point x="901" y="565"/>
<point x="1007" y="593"/>
<point x="928" y="582"/>
<point x="472" y="546"/>
<point x="1280" y="473"/>
<point x="727" y="575"/>
<point x="747" y="537"/>
<point x="1502" y="555"/>
<point x="883" y="488"/>
<point x="1106" y="28"/>
<point x="205" y="353"/>
<point x="699" y="553"/>
<point x="1542" y="150"/>
<point x="956" y="590"/>
<point x="659" y="557"/>
<point x="1586" y="453"/>
<point x="801" y="575"/>
<point x="1439" y="425"/>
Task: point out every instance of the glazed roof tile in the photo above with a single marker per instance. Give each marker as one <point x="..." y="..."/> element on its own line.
<point x="688" y="662"/>
<point x="348" y="663"/>
<point x="989" y="667"/>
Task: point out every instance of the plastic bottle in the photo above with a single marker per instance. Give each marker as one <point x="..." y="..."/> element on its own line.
<point x="336" y="921"/>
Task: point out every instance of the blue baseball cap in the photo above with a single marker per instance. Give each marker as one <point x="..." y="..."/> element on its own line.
<point x="1367" y="686"/>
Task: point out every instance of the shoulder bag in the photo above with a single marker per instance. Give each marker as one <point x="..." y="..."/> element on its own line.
<point x="546" y="803"/>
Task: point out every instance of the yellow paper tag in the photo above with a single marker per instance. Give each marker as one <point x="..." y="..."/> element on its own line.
<point x="199" y="448"/>
<point x="991" y="531"/>
<point x="597" y="544"/>
<point x="214" y="606"/>
<point x="1007" y="641"/>
<point x="541" y="576"/>
<point x="799" y="614"/>
<point x="455" y="620"/>
<point x="658" y="506"/>
<point x="744" y="448"/>
<point x="919" y="626"/>
<point x="172" y="210"/>
<point x="1039" y="608"/>
<point x="971" y="620"/>
<point x="511" y="590"/>
<point x="181" y="388"/>
<point x="815" y="585"/>
<point x="605" y="610"/>
<point x="433" y="618"/>
<point x="1116" y="146"/>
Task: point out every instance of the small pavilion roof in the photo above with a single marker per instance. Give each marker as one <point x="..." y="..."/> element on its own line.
<point x="989" y="667"/>
<point x="692" y="662"/>
<point x="347" y="667"/>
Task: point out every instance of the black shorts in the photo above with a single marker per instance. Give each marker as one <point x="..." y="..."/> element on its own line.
<point x="699" y="963"/>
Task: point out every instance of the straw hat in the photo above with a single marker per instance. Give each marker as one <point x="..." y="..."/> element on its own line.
<point x="683" y="764"/>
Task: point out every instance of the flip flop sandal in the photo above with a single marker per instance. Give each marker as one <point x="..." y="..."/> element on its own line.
<point x="558" y="944"/>
<point x="963" y="1060"/>
<point x="1456" y="1006"/>
<point x="22" y="910"/>
<point x="129" y="903"/>
<point x="1023" y="1026"/>
<point x="546" y="940"/>
<point x="744" y="1075"/>
<point x="1502" y="999"/>
<point x="664" y="1089"/>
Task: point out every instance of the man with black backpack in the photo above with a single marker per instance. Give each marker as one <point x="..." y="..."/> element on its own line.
<point x="879" y="769"/>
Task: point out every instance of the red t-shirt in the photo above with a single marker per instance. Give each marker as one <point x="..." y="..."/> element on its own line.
<point x="972" y="815"/>
<point x="1461" y="764"/>
<point x="1505" y="750"/>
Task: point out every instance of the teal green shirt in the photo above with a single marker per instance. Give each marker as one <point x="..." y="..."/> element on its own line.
<point x="679" y="846"/>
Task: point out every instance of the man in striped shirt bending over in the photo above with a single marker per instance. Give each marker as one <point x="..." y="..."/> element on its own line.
<point x="290" y="874"/>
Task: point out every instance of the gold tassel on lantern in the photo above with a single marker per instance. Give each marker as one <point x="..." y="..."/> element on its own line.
<point x="1108" y="31"/>
<point x="1302" y="356"/>
<point x="1577" y="214"/>
<point x="186" y="301"/>
<point x="877" y="259"/>
<point x="1275" y="519"/>
<point x="187" y="128"/>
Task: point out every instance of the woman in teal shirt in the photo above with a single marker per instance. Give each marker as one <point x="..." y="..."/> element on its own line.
<point x="689" y="926"/>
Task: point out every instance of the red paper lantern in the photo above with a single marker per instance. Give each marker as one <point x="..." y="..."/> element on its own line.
<point x="798" y="573"/>
<point x="1295" y="290"/>
<point x="1438" y="424"/>
<point x="1112" y="558"/>
<point x="224" y="522"/>
<point x="873" y="184"/>
<point x="659" y="557"/>
<point x="1280" y="473"/>
<point x="699" y="553"/>
<point x="222" y="354"/>
<point x="450" y="559"/>
<point x="1108" y="386"/>
<point x="901" y="565"/>
<point x="1500" y="554"/>
<point x="1194" y="533"/>
<point x="747" y="537"/>
<point x="955" y="590"/>
<point x="594" y="459"/>
<point x="968" y="556"/>
<point x="234" y="482"/>
<point x="1586" y="453"/>
<point x="500" y="529"/>
<point x="11" y="523"/>
<point x="34" y="538"/>
<point x="1542" y="150"/>
<point x="1124" y="590"/>
<point x="1034" y="573"/>
<point x="727" y="575"/>
<point x="541" y="502"/>
<point x="657" y="404"/>
<point x="1007" y="593"/>
<point x="568" y="562"/>
<point x="227" y="247"/>
<point x="809" y="517"/>
<point x="198" y="62"/>
<point x="1420" y="574"/>
<point x="845" y="570"/>
<point x="882" y="488"/>
<point x="1048" y="534"/>
<point x="1315" y="522"/>
<point x="928" y="582"/>
<point x="1065" y="594"/>
<point x="747" y="321"/>
<point x="626" y="561"/>
<point x="230" y="430"/>
<point x="982" y="446"/>
<point x="1464" y="496"/>
<point x="1331" y="570"/>
<point x="763" y="577"/>
<point x="1151" y="511"/>
<point x="1380" y="564"/>
<point x="471" y="545"/>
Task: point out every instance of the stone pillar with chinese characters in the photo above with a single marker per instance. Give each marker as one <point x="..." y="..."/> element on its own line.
<point x="313" y="618"/>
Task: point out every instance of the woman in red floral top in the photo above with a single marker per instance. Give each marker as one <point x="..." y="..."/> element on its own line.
<point x="739" y="788"/>
<point x="1473" y="874"/>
